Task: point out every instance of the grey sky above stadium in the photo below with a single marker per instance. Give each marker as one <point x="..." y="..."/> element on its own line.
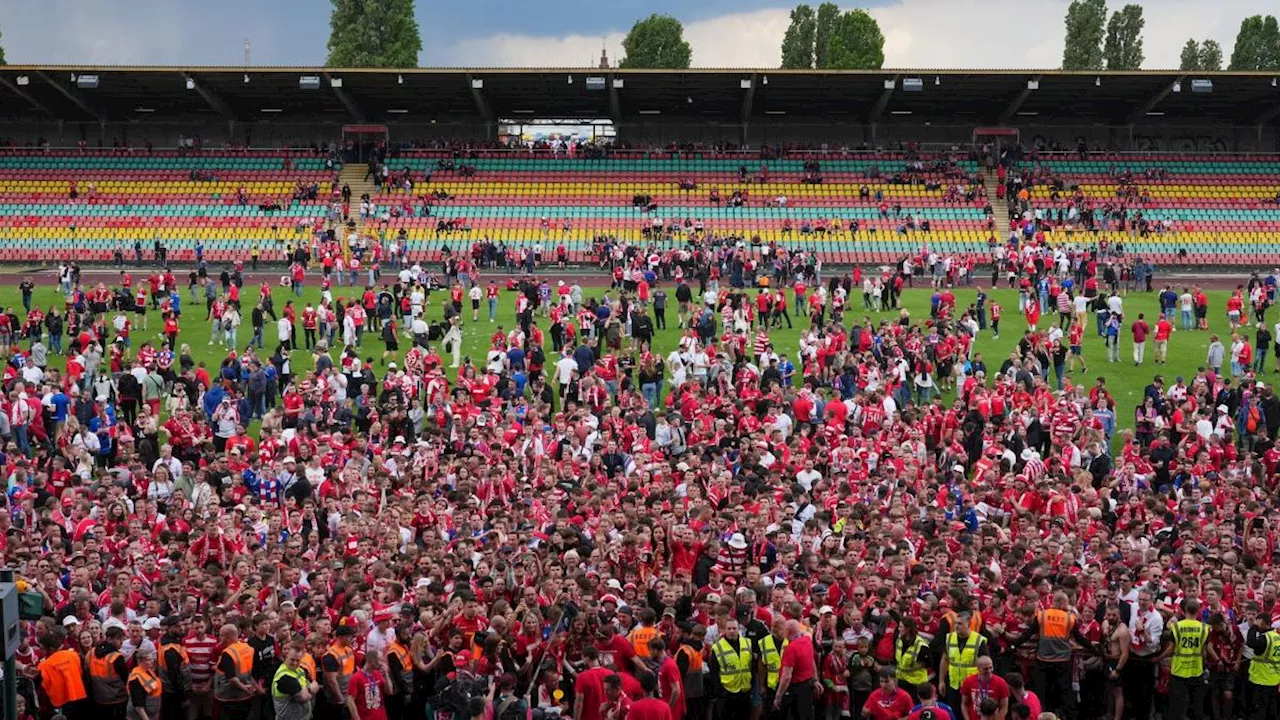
<point x="502" y="33"/>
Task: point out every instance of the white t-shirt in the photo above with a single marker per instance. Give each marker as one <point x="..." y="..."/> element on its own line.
<point x="565" y="368"/>
<point x="807" y="478"/>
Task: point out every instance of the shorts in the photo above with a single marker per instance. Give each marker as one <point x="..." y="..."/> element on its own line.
<point x="1222" y="680"/>
<point x="475" y="304"/>
<point x="1076" y="350"/>
<point x="1234" y="314"/>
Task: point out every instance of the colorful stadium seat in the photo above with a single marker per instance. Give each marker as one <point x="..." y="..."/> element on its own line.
<point x="1221" y="209"/>
<point x="182" y="199"/>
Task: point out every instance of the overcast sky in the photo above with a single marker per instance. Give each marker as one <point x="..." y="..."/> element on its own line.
<point x="483" y="33"/>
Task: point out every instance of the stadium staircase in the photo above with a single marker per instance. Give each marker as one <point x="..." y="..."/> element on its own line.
<point x="353" y="175"/>
<point x="999" y="207"/>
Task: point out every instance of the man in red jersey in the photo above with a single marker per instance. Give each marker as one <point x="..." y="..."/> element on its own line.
<point x="366" y="689"/>
<point x="650" y="707"/>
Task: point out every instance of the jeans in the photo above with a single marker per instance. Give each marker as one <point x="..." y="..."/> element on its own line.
<point x="1187" y="321"/>
<point x="24" y="443"/>
<point x="650" y="393"/>
<point x="257" y="338"/>
<point x="1260" y="359"/>
<point x="493" y="309"/>
<point x="924" y="395"/>
<point x="55" y="344"/>
<point x="1058" y="370"/>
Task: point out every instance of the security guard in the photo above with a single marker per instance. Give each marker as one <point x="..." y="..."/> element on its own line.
<point x="1186" y="642"/>
<point x="61" y="675"/>
<point x="400" y="672"/>
<point x="963" y="646"/>
<point x="731" y="664"/>
<point x="337" y="665"/>
<point x="689" y="661"/>
<point x="1055" y="628"/>
<point x="174" y="668"/>
<point x="233" y="685"/>
<point x="292" y="689"/>
<point x="1264" y="668"/>
<point x="144" y="687"/>
<point x="909" y="650"/>
<point x="770" y="648"/>
<point x="644" y="632"/>
<point x="108" y="673"/>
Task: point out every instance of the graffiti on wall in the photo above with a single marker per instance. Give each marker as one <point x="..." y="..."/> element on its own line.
<point x="1181" y="143"/>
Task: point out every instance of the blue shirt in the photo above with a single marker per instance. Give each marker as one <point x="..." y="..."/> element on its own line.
<point x="60" y="403"/>
<point x="940" y="706"/>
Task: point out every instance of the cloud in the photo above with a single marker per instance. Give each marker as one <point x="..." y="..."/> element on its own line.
<point x="918" y="33"/>
<point x="996" y="34"/>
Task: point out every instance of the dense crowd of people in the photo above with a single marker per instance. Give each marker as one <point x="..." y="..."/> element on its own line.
<point x="874" y="521"/>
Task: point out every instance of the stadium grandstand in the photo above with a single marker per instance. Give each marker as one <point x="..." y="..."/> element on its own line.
<point x="857" y="166"/>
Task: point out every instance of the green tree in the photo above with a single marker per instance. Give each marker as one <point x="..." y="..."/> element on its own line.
<point x="373" y="34"/>
<point x="828" y="14"/>
<point x="1205" y="55"/>
<point x="1123" y="48"/>
<point x="656" y="42"/>
<point x="856" y="43"/>
<point x="1210" y="55"/>
<point x="1086" y="20"/>
<point x="1269" y="47"/>
<point x="1257" y="44"/>
<point x="1190" y="59"/>
<point x="2" y="60"/>
<point x="797" y="43"/>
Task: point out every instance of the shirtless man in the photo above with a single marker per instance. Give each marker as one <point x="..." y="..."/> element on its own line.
<point x="1115" y="635"/>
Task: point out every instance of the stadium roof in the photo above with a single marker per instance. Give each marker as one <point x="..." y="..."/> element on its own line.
<point x="987" y="97"/>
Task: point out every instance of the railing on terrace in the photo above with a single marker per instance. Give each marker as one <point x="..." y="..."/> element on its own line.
<point x="926" y="151"/>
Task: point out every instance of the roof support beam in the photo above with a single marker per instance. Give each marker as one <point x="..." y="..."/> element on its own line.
<point x="16" y="90"/>
<point x="749" y="98"/>
<point x="72" y="96"/>
<point x="1016" y="104"/>
<point x="209" y="97"/>
<point x="345" y="99"/>
<point x="883" y="103"/>
<point x="1155" y="100"/>
<point x="615" y="101"/>
<point x="482" y="104"/>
